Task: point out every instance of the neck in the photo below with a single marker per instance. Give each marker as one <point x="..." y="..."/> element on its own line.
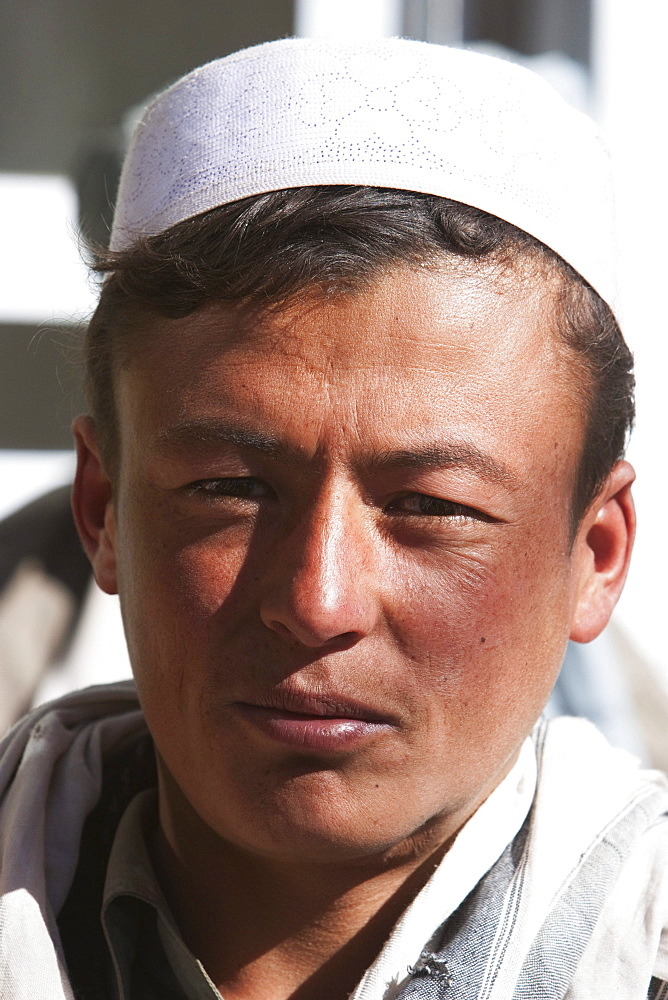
<point x="272" y="930"/>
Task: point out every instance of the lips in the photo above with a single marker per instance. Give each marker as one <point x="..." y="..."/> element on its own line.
<point x="315" y="722"/>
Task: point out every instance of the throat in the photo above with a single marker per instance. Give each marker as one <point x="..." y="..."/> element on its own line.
<point x="277" y="935"/>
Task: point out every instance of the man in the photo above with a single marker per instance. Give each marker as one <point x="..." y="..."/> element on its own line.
<point x="354" y="465"/>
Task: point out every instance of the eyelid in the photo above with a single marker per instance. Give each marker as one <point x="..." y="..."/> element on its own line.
<point x="208" y="487"/>
<point x="452" y="508"/>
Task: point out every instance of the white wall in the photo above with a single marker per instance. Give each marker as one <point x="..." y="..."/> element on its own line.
<point x="346" y="18"/>
<point x="43" y="274"/>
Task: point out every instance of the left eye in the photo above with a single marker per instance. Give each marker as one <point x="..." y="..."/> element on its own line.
<point x="245" y="487"/>
<point x="422" y="505"/>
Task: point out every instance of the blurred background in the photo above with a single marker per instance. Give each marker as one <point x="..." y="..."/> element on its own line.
<point x="74" y="75"/>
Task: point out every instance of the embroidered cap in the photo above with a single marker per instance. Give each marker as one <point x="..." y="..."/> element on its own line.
<point x="391" y="113"/>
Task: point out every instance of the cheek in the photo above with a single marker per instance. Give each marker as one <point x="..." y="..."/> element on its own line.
<point x="493" y="623"/>
<point x="171" y="586"/>
<point x="174" y="561"/>
<point x="484" y="651"/>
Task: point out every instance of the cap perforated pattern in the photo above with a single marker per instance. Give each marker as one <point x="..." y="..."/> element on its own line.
<point x="391" y="113"/>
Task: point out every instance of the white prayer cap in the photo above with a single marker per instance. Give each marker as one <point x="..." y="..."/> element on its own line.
<point x="391" y="113"/>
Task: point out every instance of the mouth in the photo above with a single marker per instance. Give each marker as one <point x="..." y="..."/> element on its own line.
<point x="324" y="723"/>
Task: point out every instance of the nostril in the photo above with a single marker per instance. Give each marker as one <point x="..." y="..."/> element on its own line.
<point x="311" y="637"/>
<point x="280" y="628"/>
<point x="343" y="641"/>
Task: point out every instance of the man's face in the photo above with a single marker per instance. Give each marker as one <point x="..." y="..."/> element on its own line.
<point x="341" y="534"/>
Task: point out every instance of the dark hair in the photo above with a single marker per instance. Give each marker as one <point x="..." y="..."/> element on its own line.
<point x="270" y="248"/>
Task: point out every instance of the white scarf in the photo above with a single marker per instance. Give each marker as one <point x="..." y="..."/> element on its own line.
<point x="50" y="779"/>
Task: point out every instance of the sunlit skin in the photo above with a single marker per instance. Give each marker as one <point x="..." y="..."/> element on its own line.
<point x="340" y="534"/>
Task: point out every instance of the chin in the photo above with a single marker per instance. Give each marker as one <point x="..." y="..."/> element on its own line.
<point x="317" y="818"/>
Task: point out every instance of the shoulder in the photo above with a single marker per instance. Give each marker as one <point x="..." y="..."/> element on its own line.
<point x="622" y="810"/>
<point x="66" y="771"/>
<point x="628" y="949"/>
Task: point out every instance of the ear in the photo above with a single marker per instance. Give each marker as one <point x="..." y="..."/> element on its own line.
<point x="602" y="553"/>
<point x="93" y="506"/>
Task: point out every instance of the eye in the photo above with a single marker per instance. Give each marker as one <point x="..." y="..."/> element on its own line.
<point x="423" y="505"/>
<point x="243" y="487"/>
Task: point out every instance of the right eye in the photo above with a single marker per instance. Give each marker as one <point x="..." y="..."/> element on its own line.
<point x="243" y="487"/>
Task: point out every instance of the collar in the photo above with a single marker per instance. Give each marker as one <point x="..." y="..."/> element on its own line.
<point x="135" y="911"/>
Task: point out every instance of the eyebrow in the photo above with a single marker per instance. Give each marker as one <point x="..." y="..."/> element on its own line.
<point x="453" y="455"/>
<point x="213" y="433"/>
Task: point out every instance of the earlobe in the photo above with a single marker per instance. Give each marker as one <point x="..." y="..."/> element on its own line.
<point x="92" y="505"/>
<point x="603" y="550"/>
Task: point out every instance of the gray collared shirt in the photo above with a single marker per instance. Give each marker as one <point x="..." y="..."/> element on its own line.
<point x="150" y="958"/>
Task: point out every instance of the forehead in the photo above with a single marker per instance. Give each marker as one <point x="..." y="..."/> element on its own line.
<point x="417" y="351"/>
<point x="475" y="305"/>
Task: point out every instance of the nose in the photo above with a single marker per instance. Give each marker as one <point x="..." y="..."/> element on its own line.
<point x="320" y="589"/>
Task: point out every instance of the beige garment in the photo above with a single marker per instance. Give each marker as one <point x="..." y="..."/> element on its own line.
<point x="36" y="611"/>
